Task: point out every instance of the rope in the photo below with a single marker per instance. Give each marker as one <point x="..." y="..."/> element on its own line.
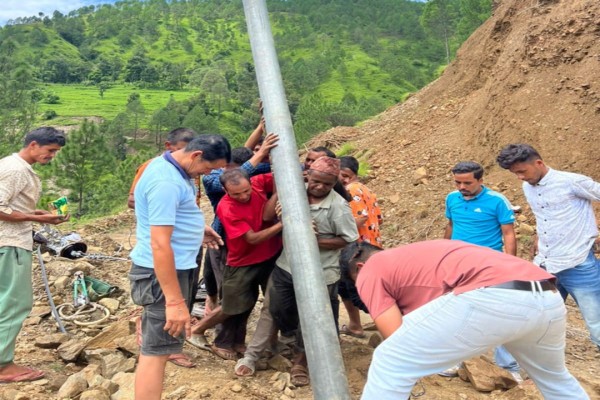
<point x="83" y="313"/>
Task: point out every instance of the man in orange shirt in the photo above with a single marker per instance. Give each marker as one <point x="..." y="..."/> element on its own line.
<point x="177" y="139"/>
<point x="368" y="218"/>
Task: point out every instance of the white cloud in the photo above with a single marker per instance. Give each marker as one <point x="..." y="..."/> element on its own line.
<point x="11" y="9"/>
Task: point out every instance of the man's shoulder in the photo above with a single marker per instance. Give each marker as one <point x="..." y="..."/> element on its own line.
<point x="453" y="196"/>
<point x="492" y="195"/>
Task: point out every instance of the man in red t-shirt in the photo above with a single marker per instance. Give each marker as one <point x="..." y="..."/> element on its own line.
<point x="253" y="244"/>
<point x="439" y="302"/>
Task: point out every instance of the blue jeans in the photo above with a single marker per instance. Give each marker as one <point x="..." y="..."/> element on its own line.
<point x="583" y="284"/>
<point x="504" y="359"/>
<point x="452" y="328"/>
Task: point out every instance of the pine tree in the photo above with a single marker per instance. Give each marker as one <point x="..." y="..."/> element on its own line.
<point x="81" y="163"/>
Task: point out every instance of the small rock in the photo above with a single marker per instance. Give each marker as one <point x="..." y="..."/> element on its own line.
<point x="110" y="386"/>
<point x="128" y="344"/>
<point x="70" y="351"/>
<point x="40" y="311"/>
<point x="375" y="340"/>
<point x="284" y="397"/>
<point x="419" y="174"/>
<point x="274" y="377"/>
<point x="51" y="341"/>
<point x="521" y="218"/>
<point x="126" y="382"/>
<point x="279" y="363"/>
<point x="10" y="394"/>
<point x="289" y="392"/>
<point x="236" y="388"/>
<point x="395" y="198"/>
<point x="526" y="229"/>
<point x="111" y="304"/>
<point x="279" y="385"/>
<point x="31" y="321"/>
<point x="74" y="385"/>
<point x="178" y="393"/>
<point x="40" y="382"/>
<point x="62" y="282"/>
<point x="95" y="394"/>
<point x="485" y="376"/>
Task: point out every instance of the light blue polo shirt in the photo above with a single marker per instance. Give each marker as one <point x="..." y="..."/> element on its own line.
<point x="166" y="196"/>
<point x="478" y="220"/>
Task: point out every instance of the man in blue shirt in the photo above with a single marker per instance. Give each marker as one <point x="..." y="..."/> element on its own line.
<point x="170" y="230"/>
<point x="483" y="217"/>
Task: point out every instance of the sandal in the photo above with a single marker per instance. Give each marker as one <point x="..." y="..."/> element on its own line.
<point x="345" y="330"/>
<point x="29" y="375"/>
<point x="181" y="360"/>
<point x="225" y="354"/>
<point x="246" y="363"/>
<point x="299" y="375"/>
<point x="199" y="341"/>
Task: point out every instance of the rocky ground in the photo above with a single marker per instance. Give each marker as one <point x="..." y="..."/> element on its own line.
<point x="97" y="363"/>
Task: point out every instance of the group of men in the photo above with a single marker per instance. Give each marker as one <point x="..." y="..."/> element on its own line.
<point x="436" y="303"/>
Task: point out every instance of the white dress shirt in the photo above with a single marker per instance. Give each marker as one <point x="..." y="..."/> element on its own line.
<point x="566" y="225"/>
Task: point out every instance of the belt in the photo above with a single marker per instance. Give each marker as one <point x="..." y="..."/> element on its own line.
<point x="525" y="285"/>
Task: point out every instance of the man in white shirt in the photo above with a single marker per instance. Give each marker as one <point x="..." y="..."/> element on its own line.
<point x="20" y="190"/>
<point x="566" y="227"/>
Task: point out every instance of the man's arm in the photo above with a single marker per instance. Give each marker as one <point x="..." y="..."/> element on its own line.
<point x="256" y="134"/>
<point x="332" y="243"/>
<point x="269" y="212"/>
<point x="264" y="150"/>
<point x="176" y="311"/>
<point x="262" y="235"/>
<point x="40" y="216"/>
<point x="389" y="321"/>
<point x="587" y="189"/>
<point x="509" y="238"/>
<point x="448" y="231"/>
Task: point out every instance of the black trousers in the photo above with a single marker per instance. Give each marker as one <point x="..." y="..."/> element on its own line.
<point x="284" y="309"/>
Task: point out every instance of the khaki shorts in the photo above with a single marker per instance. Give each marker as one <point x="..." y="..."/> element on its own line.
<point x="146" y="292"/>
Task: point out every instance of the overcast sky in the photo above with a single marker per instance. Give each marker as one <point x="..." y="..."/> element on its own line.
<point x="11" y="9"/>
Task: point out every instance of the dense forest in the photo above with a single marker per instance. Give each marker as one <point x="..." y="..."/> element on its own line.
<point x="342" y="61"/>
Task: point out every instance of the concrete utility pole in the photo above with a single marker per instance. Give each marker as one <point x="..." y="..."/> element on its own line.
<point x="325" y="362"/>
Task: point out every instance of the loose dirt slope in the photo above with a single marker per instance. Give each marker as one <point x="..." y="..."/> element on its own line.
<point x="530" y="74"/>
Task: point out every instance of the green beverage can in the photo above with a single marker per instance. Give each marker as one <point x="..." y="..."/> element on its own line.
<point x="61" y="205"/>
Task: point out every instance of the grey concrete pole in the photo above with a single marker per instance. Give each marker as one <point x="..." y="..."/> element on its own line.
<point x="325" y="361"/>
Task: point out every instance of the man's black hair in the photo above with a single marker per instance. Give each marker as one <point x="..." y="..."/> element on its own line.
<point x="240" y="155"/>
<point x="214" y="147"/>
<point x="323" y="149"/>
<point x="44" y="136"/>
<point x="466" y="167"/>
<point x="517" y="153"/>
<point x="350" y="163"/>
<point x="355" y="252"/>
<point x="234" y="176"/>
<point x="181" y="135"/>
